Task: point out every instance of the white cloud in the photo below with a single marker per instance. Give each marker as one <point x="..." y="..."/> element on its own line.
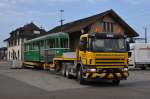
<point x="10" y="8"/>
<point x="14" y="2"/>
<point x="135" y="2"/>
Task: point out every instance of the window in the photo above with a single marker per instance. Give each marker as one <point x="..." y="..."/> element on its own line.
<point x="42" y="44"/>
<point x="36" y="32"/>
<point x="15" y="42"/>
<point x="83" y="44"/>
<point x="50" y="43"/>
<point x="18" y="41"/>
<point x="35" y="46"/>
<point x="63" y="43"/>
<point x="100" y="45"/>
<point x="30" y="46"/>
<point x="107" y="27"/>
<point x="18" y="54"/>
<point x="26" y="47"/>
<point x="56" y="43"/>
<point x="22" y="41"/>
<point x="17" y="32"/>
<point x="9" y="55"/>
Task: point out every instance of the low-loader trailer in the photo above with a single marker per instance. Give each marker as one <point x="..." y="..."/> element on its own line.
<point x="99" y="56"/>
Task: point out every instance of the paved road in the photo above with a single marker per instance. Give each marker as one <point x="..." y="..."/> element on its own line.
<point x="37" y="84"/>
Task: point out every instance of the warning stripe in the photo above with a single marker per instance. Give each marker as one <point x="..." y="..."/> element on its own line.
<point x="108" y="75"/>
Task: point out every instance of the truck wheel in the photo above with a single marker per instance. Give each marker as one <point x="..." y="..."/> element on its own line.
<point x="148" y="66"/>
<point x="67" y="73"/>
<point x="80" y="78"/>
<point x="63" y="70"/>
<point x="116" y="82"/>
<point x="143" y="68"/>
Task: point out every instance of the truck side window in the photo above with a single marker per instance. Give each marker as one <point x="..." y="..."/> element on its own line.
<point x="83" y="44"/>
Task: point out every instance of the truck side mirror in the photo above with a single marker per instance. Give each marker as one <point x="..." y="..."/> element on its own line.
<point x="128" y="47"/>
<point x="129" y="54"/>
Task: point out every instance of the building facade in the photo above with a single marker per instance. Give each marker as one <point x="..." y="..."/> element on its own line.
<point x="105" y="22"/>
<point x="15" y="43"/>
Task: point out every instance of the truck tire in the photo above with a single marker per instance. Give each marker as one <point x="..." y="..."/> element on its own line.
<point x="67" y="74"/>
<point x="24" y="66"/>
<point x="57" y="66"/>
<point x="116" y="82"/>
<point x="143" y="68"/>
<point x="80" y="78"/>
<point x="148" y="66"/>
<point x="63" y="70"/>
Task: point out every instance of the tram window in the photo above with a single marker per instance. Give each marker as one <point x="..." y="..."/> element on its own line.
<point x="56" y="43"/>
<point x="35" y="46"/>
<point x="64" y="43"/>
<point x="61" y="42"/>
<point x="26" y="47"/>
<point x="50" y="43"/>
<point x="42" y="44"/>
<point x="53" y="43"/>
<point x="30" y="46"/>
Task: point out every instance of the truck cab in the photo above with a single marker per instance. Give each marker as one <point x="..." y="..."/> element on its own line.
<point x="140" y="55"/>
<point x="102" y="56"/>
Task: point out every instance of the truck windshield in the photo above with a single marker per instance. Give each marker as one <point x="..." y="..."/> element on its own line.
<point x="108" y="45"/>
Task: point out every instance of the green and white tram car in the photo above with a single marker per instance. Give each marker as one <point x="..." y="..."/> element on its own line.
<point x="44" y="49"/>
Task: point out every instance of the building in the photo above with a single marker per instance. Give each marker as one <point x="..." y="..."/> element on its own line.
<point x="108" y="21"/>
<point x="15" y="43"/>
<point x="3" y="53"/>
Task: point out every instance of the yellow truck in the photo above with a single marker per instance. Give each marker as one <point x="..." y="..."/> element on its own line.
<point x="100" y="56"/>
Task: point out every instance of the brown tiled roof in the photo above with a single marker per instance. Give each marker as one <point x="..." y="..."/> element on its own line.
<point x="83" y="23"/>
<point x="27" y="32"/>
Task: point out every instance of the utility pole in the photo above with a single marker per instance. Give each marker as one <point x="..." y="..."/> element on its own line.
<point x="145" y="30"/>
<point x="61" y="19"/>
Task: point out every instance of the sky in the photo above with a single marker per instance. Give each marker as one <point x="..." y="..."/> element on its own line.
<point x="46" y="13"/>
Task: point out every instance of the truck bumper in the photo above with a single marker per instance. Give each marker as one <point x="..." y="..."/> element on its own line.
<point x="106" y="76"/>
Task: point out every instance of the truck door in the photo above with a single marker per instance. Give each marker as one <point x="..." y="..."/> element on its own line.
<point x="83" y="49"/>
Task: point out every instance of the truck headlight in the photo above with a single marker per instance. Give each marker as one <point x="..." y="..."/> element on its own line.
<point x="89" y="69"/>
<point x="125" y="69"/>
<point x="92" y="70"/>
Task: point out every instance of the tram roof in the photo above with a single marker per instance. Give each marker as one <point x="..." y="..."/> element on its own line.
<point x="52" y="35"/>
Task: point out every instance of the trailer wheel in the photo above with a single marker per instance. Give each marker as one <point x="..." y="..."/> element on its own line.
<point x="80" y="78"/>
<point x="116" y="82"/>
<point x="24" y="66"/>
<point x="57" y="66"/>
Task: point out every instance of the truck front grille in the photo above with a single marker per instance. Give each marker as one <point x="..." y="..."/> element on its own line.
<point x="109" y="61"/>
